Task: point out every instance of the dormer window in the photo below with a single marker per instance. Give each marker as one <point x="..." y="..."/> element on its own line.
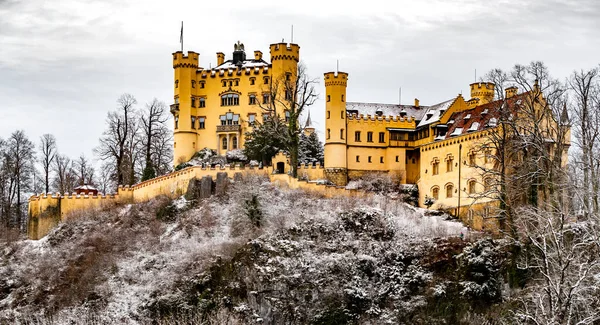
<point x="492" y="122"/>
<point x="468" y="116"/>
<point x="403" y="112"/>
<point x="485" y="111"/>
<point x="379" y="112"/>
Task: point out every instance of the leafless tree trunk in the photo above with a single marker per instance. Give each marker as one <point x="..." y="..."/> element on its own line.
<point x="85" y="171"/>
<point x="585" y="86"/>
<point x="65" y="178"/>
<point x="154" y="130"/>
<point x="291" y="95"/>
<point x="48" y="153"/>
<point x="21" y="152"/>
<point x="116" y="140"/>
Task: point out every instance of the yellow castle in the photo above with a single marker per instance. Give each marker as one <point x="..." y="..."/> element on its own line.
<point x="215" y="107"/>
<point x="433" y="147"/>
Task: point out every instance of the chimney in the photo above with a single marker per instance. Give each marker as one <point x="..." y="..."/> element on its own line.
<point x="220" y="58"/>
<point x="257" y="55"/>
<point x="416" y="102"/>
<point x="510" y="91"/>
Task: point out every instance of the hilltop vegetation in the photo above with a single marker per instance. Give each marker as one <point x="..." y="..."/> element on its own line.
<point x="261" y="254"/>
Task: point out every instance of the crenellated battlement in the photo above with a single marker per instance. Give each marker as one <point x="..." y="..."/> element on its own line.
<point x="336" y="79"/>
<point x="388" y="121"/>
<point x="284" y="51"/>
<point x="181" y="60"/>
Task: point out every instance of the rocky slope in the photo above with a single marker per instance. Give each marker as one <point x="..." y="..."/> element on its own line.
<point x="259" y="255"/>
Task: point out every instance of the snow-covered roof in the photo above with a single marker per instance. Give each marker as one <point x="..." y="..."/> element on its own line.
<point x="86" y="187"/>
<point x="386" y="109"/>
<point x="433" y="113"/>
<point x="245" y="64"/>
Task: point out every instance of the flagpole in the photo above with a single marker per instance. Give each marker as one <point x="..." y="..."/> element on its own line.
<point x="181" y="37"/>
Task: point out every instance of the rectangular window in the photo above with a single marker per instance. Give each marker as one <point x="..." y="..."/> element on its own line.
<point x="381" y="160"/>
<point x="472" y="160"/>
<point x="193" y="102"/>
<point x="265" y="117"/>
<point x="357" y="136"/>
<point x="265" y="98"/>
<point x="266" y="80"/>
<point x="252" y="100"/>
<point x="251" y="119"/>
<point x="201" y="84"/>
<point x="287" y="116"/>
<point x="436" y="168"/>
<point x="328" y="134"/>
<point x="252" y="80"/>
<point x="342" y="98"/>
<point x="381" y="137"/>
<point x="449" y="165"/>
<point x="357" y="159"/>
<point x="342" y="115"/>
<point x="193" y="122"/>
<point x="369" y="136"/>
<point x="369" y="159"/>
<point x="202" y="103"/>
<point x="342" y="134"/>
<point x="288" y="95"/>
<point x="328" y="114"/>
<point x="201" y="122"/>
<point x="328" y="98"/>
<point x="397" y="158"/>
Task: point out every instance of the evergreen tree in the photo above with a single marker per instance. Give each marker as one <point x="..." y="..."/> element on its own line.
<point x="311" y="149"/>
<point x="265" y="140"/>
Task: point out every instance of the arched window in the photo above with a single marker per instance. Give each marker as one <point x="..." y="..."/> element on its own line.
<point x="230" y="100"/>
<point x="449" y="162"/>
<point x="436" y="166"/>
<point x="224" y="143"/>
<point x="449" y="190"/>
<point x="435" y="193"/>
<point x="472" y="186"/>
<point x="234" y="144"/>
<point x="252" y="81"/>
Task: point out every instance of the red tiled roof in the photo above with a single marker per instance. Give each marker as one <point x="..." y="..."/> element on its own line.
<point x="478" y="118"/>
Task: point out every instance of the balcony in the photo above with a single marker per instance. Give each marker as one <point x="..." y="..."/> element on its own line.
<point x="229" y="128"/>
<point x="174" y="108"/>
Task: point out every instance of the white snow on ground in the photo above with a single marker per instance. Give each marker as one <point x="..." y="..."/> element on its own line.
<point x="160" y="253"/>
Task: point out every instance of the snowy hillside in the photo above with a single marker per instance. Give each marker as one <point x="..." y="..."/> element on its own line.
<point x="260" y="255"/>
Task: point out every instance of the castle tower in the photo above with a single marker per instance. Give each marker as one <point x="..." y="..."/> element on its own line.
<point x="185" y="137"/>
<point x="336" y="164"/>
<point x="284" y="65"/>
<point x="484" y="91"/>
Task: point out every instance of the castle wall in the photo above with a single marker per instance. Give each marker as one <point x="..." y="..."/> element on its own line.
<point x="441" y="152"/>
<point x="46" y="211"/>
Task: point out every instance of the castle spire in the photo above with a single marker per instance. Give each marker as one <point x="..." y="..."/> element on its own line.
<point x="308" y="121"/>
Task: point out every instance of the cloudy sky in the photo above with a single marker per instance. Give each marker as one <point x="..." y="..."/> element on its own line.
<point x="64" y="63"/>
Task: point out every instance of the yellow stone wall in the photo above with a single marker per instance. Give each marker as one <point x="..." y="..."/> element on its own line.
<point x="193" y="81"/>
<point x="441" y="152"/>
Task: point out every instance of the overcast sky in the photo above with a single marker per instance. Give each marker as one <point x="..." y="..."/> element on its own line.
<point x="63" y="63"/>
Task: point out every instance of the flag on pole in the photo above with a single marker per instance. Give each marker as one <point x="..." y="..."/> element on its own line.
<point x="181" y="36"/>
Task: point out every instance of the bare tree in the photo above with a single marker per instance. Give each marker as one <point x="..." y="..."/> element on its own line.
<point x="65" y="178"/>
<point x="527" y="143"/>
<point x="84" y="171"/>
<point x="565" y="259"/>
<point x="291" y="95"/>
<point x="48" y="153"/>
<point x="117" y="140"/>
<point x="585" y="87"/>
<point x="154" y="130"/>
<point x="19" y="163"/>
